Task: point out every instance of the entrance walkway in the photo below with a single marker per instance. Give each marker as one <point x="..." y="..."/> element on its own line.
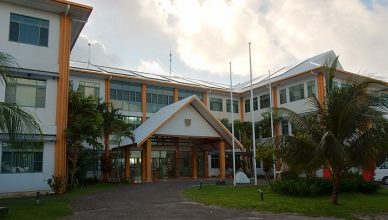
<point x="157" y="201"/>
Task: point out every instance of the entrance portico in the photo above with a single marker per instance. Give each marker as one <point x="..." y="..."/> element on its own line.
<point x="175" y="142"/>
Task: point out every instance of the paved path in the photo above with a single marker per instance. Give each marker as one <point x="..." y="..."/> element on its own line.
<point x="157" y="201"/>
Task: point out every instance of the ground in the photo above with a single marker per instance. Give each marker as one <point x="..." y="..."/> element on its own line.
<point x="161" y="200"/>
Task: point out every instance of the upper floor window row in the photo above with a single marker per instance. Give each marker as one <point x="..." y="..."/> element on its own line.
<point x="235" y="106"/>
<point x="157" y="97"/>
<point x="89" y="88"/>
<point x="183" y="93"/>
<point x="216" y="104"/>
<point x="297" y="92"/>
<point x="26" y="92"/>
<point x="29" y="30"/>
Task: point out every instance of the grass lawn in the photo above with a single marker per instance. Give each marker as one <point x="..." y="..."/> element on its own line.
<point x="50" y="206"/>
<point x="247" y="197"/>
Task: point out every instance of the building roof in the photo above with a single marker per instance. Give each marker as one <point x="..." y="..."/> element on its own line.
<point x="167" y="113"/>
<point x="285" y="72"/>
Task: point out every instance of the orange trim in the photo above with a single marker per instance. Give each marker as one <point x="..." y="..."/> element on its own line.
<point x="205" y="98"/>
<point x="206" y="164"/>
<point x="148" y="161"/>
<point x="274" y="97"/>
<point x="177" y="161"/>
<point x="74" y="4"/>
<point x="145" y="80"/>
<point x="176" y="94"/>
<point x="242" y="109"/>
<point x="144" y="102"/>
<point x="221" y="152"/>
<point x="321" y="88"/>
<point x="107" y="91"/>
<point x="62" y="95"/>
<point x="194" y="162"/>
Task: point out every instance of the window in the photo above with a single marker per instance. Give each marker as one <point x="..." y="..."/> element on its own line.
<point x="89" y="88"/>
<point x="247" y="105"/>
<point x="216" y="104"/>
<point x="29" y="30"/>
<point x="22" y="157"/>
<point x="283" y="96"/>
<point x="126" y="95"/>
<point x="26" y="92"/>
<point x="184" y="93"/>
<point x="157" y="97"/>
<point x="285" y="130"/>
<point x="255" y="104"/>
<point x="264" y="101"/>
<point x="311" y="89"/>
<point x="235" y="106"/>
<point x="296" y="92"/>
<point x="215" y="162"/>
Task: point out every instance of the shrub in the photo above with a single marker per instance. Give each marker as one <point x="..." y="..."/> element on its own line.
<point x="317" y="186"/>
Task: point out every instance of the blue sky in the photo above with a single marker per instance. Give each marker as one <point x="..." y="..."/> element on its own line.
<point x="205" y="36"/>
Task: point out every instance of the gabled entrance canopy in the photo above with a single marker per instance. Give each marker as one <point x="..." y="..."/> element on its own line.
<point x="187" y="118"/>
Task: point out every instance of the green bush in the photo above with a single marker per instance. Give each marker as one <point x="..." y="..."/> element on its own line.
<point x="318" y="186"/>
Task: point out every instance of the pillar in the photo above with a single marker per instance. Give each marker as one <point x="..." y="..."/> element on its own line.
<point x="177" y="158"/>
<point x="144" y="102"/>
<point x="62" y="96"/>
<point x="321" y="87"/>
<point x="242" y="109"/>
<point x="127" y="163"/>
<point x="176" y="94"/>
<point x="206" y="164"/>
<point x="194" y="162"/>
<point x="205" y="98"/>
<point x="221" y="149"/>
<point x="143" y="164"/>
<point x="148" y="162"/>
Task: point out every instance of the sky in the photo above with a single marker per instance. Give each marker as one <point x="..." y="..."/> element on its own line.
<point x="205" y="35"/>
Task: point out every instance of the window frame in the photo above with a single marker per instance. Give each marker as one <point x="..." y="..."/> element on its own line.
<point x="280" y="96"/>
<point x="219" y="102"/>
<point x="26" y="151"/>
<point x="262" y="101"/>
<point x="294" y="98"/>
<point x="235" y="106"/>
<point x="37" y="87"/>
<point x="36" y="23"/>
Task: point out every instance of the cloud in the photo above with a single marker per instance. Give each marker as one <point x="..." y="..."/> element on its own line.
<point x="151" y="67"/>
<point x="99" y="54"/>
<point x="209" y="34"/>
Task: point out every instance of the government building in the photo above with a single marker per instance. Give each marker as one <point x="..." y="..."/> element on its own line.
<point x="178" y="132"/>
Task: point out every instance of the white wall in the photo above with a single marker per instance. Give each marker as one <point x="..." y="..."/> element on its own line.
<point x="47" y="115"/>
<point x="89" y="78"/>
<point x="199" y="127"/>
<point x="224" y="113"/>
<point x="24" y="182"/>
<point x="31" y="56"/>
<point x="299" y="106"/>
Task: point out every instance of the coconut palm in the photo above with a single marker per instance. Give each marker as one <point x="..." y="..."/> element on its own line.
<point x="111" y="121"/>
<point x="15" y="123"/>
<point x="350" y="126"/>
<point x="83" y="126"/>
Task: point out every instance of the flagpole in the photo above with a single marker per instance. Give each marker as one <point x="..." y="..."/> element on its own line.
<point x="253" y="119"/>
<point x="232" y="111"/>
<point x="271" y="107"/>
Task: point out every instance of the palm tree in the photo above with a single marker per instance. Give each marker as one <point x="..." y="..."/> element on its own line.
<point x="83" y="125"/>
<point x="15" y="123"/>
<point x="124" y="131"/>
<point x="111" y="121"/>
<point x="351" y="128"/>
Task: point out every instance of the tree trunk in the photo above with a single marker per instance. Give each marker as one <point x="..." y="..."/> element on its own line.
<point x="334" y="195"/>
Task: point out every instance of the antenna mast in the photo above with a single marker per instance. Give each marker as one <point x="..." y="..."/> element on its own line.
<point x="170" y="61"/>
